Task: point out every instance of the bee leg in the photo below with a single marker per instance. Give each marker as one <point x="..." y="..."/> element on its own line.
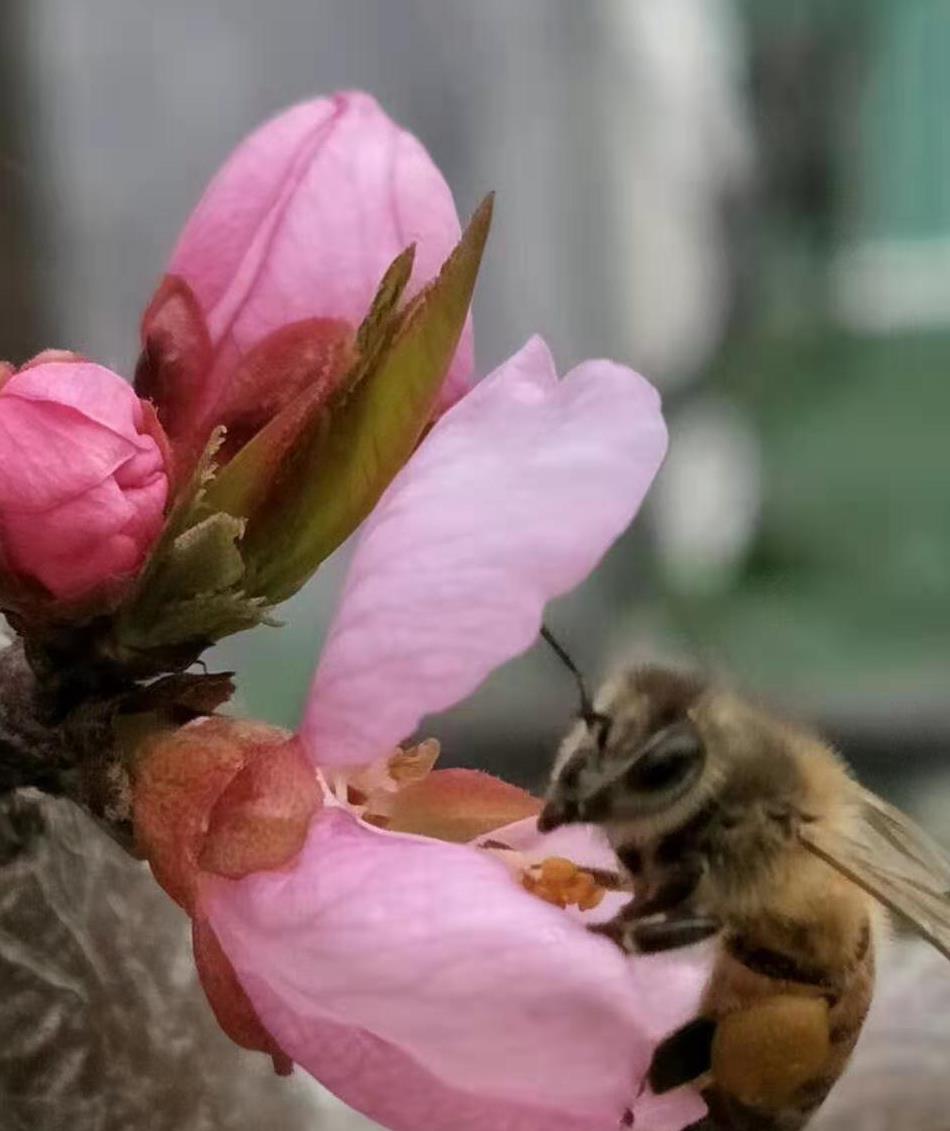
<point x="668" y="898"/>
<point x="677" y="887"/>
<point x="683" y="1056"/>
<point x="619" y="927"/>
<point x="651" y="935"/>
<point x="615" y="929"/>
<point x="635" y="933"/>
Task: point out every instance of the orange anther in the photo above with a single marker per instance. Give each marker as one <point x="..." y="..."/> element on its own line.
<point x="558" y="870"/>
<point x="559" y="881"/>
<point x="592" y="898"/>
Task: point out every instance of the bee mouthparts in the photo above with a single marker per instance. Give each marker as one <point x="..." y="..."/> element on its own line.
<point x="554" y="814"/>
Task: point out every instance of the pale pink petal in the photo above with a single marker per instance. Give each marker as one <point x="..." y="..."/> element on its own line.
<point x="510" y="501"/>
<point x="670" y="985"/>
<point x="673" y="1111"/>
<point x="384" y="1083"/>
<point x="432" y="956"/>
<point x="303" y="220"/>
<point x="586" y="845"/>
<point x="688" y="970"/>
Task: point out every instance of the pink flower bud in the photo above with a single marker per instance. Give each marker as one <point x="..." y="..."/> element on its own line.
<point x="83" y="481"/>
<point x="278" y="264"/>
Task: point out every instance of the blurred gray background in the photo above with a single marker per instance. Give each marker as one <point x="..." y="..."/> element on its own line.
<point x="748" y="201"/>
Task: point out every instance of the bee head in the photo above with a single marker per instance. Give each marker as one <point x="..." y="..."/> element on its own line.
<point x="636" y="755"/>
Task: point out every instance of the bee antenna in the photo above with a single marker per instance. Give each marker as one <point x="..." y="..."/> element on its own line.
<point x="587" y="712"/>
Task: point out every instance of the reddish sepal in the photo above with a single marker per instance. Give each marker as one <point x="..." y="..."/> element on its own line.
<point x="228" y="1001"/>
<point x="260" y="821"/>
<point x="175" y="363"/>
<point x="308" y="356"/>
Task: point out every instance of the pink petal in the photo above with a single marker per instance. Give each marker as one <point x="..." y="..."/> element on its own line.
<point x="403" y="972"/>
<point x="387" y="1085"/>
<point x="686" y="971"/>
<point x="96" y="392"/>
<point x="100" y="536"/>
<point x="303" y="220"/>
<point x="510" y="501"/>
<point x="83" y="481"/>
<point x="51" y="453"/>
<point x="586" y="845"/>
<point x="241" y="197"/>
<point x="228" y="1001"/>
<point x="673" y="1111"/>
<point x="64" y="428"/>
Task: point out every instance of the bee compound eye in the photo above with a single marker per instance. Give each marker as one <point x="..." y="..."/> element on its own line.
<point x="670" y="759"/>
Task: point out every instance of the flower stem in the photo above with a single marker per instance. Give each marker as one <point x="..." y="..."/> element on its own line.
<point x="72" y="756"/>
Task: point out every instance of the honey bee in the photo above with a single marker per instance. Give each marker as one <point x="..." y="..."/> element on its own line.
<point x="734" y="824"/>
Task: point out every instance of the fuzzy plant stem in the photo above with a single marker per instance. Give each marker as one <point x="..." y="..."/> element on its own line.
<point x="69" y="755"/>
<point x="34" y="751"/>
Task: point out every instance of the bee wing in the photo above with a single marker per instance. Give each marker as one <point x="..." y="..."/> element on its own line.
<point x="893" y="860"/>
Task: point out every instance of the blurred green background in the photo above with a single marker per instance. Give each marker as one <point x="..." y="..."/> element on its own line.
<point x="748" y="201"/>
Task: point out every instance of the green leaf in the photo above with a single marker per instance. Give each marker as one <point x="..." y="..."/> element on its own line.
<point x="203" y="559"/>
<point x="196" y="593"/>
<point x="197" y="552"/>
<point x="378" y="325"/>
<point x="201" y="620"/>
<point x="188" y="510"/>
<point x="191" y="500"/>
<point x="192" y="590"/>
<point x="334" y="479"/>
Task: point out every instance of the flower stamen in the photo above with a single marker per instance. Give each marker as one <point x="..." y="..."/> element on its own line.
<point x="369" y="791"/>
<point x="560" y="881"/>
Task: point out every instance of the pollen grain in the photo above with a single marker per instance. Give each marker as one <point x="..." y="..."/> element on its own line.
<point x="560" y="881"/>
